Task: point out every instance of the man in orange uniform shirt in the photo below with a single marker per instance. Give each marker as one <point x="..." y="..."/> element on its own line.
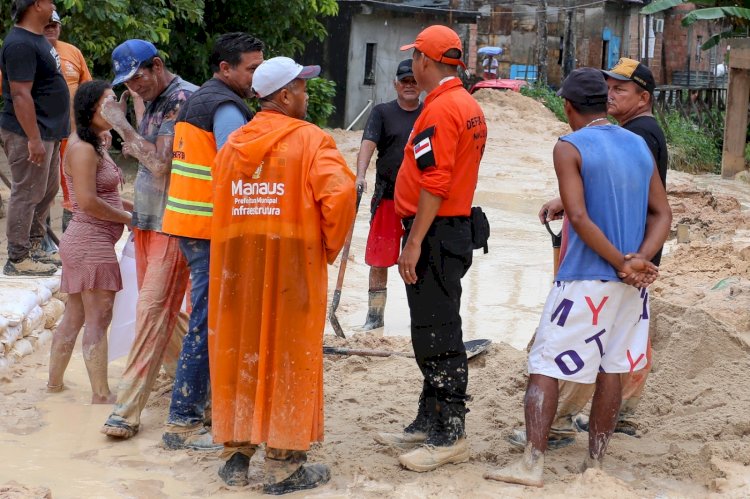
<point x="283" y="203"/>
<point x="434" y="190"/>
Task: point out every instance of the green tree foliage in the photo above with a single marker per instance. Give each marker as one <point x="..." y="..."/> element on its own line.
<point x="692" y="148"/>
<point x="285" y="27"/>
<point x="184" y="31"/>
<point x="320" y="105"/>
<point x="735" y="14"/>
<point x="98" y="26"/>
<point x="548" y="97"/>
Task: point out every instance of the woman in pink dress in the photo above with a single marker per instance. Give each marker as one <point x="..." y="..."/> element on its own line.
<point x="90" y="271"/>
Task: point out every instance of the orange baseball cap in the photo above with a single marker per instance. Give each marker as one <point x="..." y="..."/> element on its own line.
<point x="435" y="41"/>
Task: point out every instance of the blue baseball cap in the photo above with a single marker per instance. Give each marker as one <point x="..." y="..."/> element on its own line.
<point x="128" y="57"/>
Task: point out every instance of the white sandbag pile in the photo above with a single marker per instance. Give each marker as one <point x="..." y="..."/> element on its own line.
<point x="28" y="314"/>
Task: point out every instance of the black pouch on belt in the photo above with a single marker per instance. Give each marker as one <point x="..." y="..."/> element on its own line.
<point x="480" y="229"/>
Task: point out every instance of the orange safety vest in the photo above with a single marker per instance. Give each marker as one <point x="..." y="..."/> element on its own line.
<point x="189" y="205"/>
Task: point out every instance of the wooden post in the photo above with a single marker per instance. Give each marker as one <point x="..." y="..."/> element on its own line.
<point x="735" y="121"/>
<point x="541" y="43"/>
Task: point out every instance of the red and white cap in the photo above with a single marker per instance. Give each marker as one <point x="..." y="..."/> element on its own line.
<point x="276" y="72"/>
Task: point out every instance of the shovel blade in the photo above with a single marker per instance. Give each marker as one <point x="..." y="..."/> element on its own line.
<point x="337" y="329"/>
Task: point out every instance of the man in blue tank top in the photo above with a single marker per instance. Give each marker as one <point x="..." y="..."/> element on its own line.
<point x="595" y="322"/>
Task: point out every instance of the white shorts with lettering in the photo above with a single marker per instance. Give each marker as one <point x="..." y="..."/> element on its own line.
<point x="588" y="327"/>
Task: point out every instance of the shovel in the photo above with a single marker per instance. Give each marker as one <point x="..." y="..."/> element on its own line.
<point x="473" y="348"/>
<point x="342" y="268"/>
<point x="556" y="242"/>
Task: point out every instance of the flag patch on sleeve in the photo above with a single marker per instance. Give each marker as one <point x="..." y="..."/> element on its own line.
<point x="423" y="153"/>
<point x="422" y="148"/>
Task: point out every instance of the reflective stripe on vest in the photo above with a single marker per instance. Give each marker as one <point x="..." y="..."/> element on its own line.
<point x="191" y="170"/>
<point x="189" y="207"/>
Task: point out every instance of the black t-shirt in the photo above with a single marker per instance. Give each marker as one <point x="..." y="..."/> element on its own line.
<point x="648" y="128"/>
<point x="28" y="57"/>
<point x="389" y="127"/>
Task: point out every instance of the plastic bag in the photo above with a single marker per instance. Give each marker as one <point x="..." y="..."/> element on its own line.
<point x="122" y="331"/>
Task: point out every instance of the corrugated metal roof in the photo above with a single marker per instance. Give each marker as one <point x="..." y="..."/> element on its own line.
<point x="426" y="6"/>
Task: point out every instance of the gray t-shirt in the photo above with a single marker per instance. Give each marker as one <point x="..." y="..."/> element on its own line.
<point x="159" y="119"/>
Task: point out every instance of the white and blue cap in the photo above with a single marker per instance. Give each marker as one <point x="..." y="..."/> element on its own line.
<point x="55" y="18"/>
<point x="128" y="57"/>
<point x="277" y="72"/>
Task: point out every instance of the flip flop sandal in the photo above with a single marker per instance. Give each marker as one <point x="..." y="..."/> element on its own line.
<point x="119" y="430"/>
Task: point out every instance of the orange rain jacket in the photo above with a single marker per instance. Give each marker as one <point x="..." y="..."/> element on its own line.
<point x="283" y="203"/>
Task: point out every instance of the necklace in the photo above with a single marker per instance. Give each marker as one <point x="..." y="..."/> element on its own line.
<point x="594" y="121"/>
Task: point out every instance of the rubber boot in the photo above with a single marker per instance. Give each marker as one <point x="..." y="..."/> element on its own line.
<point x="375" y="310"/>
<point x="307" y="476"/>
<point x="234" y="470"/>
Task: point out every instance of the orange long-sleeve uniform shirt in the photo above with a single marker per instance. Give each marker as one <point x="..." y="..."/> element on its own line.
<point x="283" y="203"/>
<point x="443" y="152"/>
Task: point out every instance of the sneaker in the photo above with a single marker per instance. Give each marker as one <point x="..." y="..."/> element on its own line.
<point x="40" y="255"/>
<point x="29" y="267"/>
<point x="196" y="439"/>
<point x="430" y="457"/>
<point x="307" y="476"/>
<point x="554" y="441"/>
<point x="403" y="440"/>
<point x="234" y="471"/>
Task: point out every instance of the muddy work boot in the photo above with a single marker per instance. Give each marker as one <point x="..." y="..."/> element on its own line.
<point x="234" y="471"/>
<point x="429" y="457"/>
<point x="375" y="311"/>
<point x="445" y="443"/>
<point x="40" y="254"/>
<point x="29" y="267"/>
<point x="197" y="438"/>
<point x="416" y="432"/>
<point x="307" y="476"/>
<point x="404" y="440"/>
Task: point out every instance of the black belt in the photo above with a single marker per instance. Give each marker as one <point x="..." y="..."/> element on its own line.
<point x="409" y="221"/>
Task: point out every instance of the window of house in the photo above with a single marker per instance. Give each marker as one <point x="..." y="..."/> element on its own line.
<point x="371" y="50"/>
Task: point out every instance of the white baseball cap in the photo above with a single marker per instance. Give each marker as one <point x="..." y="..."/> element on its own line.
<point x="276" y="72"/>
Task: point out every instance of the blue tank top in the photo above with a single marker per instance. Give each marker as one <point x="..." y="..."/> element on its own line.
<point x="616" y="167"/>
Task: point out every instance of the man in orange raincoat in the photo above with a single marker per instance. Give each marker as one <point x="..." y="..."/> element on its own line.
<point x="283" y="203"/>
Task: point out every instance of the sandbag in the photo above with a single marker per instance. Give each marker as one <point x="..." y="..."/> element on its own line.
<point x="21" y="348"/>
<point x="33" y="320"/>
<point x="5" y="362"/>
<point x="53" y="310"/>
<point x="10" y="336"/>
<point x="16" y="303"/>
<point x="43" y="294"/>
<point x="45" y="335"/>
